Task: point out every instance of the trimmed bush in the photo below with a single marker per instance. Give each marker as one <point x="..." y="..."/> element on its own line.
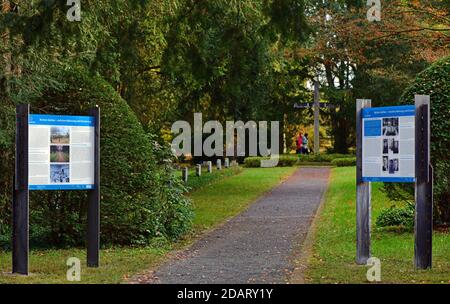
<point x="435" y="81"/>
<point x="252" y="162"/>
<point x="141" y="196"/>
<point x="309" y="159"/>
<point x="395" y="216"/>
<point x="321" y="158"/>
<point x="283" y="161"/>
<point x="344" y="162"/>
<point x="287" y="161"/>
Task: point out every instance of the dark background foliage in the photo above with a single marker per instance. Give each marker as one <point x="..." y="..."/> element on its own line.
<point x="435" y="81"/>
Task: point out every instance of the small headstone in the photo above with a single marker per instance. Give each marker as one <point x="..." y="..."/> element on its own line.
<point x="227" y="162"/>
<point x="209" y="166"/>
<point x="184" y="174"/>
<point x="198" y="171"/>
<point x="234" y="163"/>
<point x="219" y="164"/>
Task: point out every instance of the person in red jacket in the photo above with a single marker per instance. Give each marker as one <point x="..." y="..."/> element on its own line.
<point x="299" y="143"/>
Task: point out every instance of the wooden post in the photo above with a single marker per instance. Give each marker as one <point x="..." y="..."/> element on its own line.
<point x="93" y="214"/>
<point x="20" y="233"/>
<point x="316" y="117"/>
<point x="423" y="228"/>
<point x="363" y="193"/>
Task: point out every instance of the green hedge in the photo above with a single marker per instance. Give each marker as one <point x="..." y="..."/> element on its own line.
<point x="320" y="157"/>
<point x="308" y="159"/>
<point x="344" y="162"/>
<point x="435" y="81"/>
<point x="283" y="161"/>
<point x="141" y="195"/>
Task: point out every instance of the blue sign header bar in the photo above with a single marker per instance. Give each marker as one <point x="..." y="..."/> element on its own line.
<point x="60" y="187"/>
<point x="61" y="120"/>
<point x="394" y="111"/>
<point x="389" y="179"/>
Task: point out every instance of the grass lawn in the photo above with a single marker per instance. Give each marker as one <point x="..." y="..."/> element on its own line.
<point x="231" y="196"/>
<point x="213" y="203"/>
<point x="197" y="182"/>
<point x="334" y="248"/>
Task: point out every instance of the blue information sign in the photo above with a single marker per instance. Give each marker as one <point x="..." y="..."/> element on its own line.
<point x="61" y="152"/>
<point x="388" y="144"/>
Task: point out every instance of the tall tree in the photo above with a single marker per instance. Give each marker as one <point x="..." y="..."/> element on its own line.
<point x="355" y="58"/>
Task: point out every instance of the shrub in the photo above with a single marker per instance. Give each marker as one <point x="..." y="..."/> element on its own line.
<point x="141" y="196"/>
<point x="395" y="216"/>
<point x="252" y="162"/>
<point x="344" y="162"/>
<point x="435" y="81"/>
<point x="325" y="158"/>
<point x="292" y="160"/>
<point x="283" y="161"/>
<point x="287" y="161"/>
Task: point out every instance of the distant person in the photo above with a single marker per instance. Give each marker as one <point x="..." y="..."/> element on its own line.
<point x="305" y="149"/>
<point x="299" y="143"/>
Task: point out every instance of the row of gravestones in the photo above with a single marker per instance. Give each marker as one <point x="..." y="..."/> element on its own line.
<point x="208" y="164"/>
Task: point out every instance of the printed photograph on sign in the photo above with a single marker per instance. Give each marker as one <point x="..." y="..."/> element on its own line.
<point x="385" y="146"/>
<point x="59" y="174"/>
<point x="390" y="126"/>
<point x="59" y="135"/>
<point x="393" y="166"/>
<point x="385" y="163"/>
<point x="59" y="154"/>
<point x="393" y="146"/>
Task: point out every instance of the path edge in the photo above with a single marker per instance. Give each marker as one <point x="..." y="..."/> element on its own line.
<point x="303" y="251"/>
<point x="174" y="253"/>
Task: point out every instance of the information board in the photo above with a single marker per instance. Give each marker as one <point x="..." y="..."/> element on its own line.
<point x="61" y="152"/>
<point x="388" y="144"/>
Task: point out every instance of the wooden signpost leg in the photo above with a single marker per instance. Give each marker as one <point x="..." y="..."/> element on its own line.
<point x="93" y="235"/>
<point x="423" y="228"/>
<point x="20" y="237"/>
<point x="363" y="193"/>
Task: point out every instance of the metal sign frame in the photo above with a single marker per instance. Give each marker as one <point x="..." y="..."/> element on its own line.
<point x="20" y="232"/>
<point x="423" y="228"/>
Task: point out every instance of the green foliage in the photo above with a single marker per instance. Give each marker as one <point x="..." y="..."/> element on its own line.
<point x="252" y="162"/>
<point x="288" y="19"/>
<point x="395" y="216"/>
<point x="320" y="157"/>
<point x="435" y="81"/>
<point x="344" y="162"/>
<point x="283" y="161"/>
<point x="7" y="129"/>
<point x="287" y="161"/>
<point x="292" y="160"/>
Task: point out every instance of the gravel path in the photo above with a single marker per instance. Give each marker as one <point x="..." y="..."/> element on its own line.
<point x="255" y="246"/>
